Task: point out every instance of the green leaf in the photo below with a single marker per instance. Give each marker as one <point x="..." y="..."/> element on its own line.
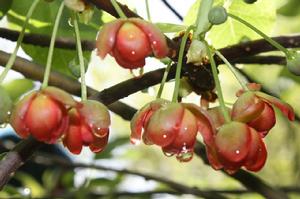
<point x="291" y="8"/>
<point x="42" y="22"/>
<point x="169" y="28"/>
<point x="5" y="6"/>
<point x="18" y="87"/>
<point x="261" y="15"/>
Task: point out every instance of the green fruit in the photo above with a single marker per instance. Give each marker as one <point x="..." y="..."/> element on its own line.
<point x="293" y="63"/>
<point x="217" y="15"/>
<point x="5" y="105"/>
<point x="250" y="1"/>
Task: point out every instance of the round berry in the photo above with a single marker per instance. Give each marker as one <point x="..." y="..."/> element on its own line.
<point x="293" y="63"/>
<point x="217" y="15"/>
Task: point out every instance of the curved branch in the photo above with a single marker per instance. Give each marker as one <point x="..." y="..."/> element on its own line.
<point x="174" y="185"/>
<point x="44" y="40"/>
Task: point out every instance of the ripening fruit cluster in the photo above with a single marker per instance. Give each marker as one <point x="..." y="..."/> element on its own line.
<point x="229" y="145"/>
<point x="51" y="114"/>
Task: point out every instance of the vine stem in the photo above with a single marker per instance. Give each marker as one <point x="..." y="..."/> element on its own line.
<point x="148" y="10"/>
<point x="232" y="69"/>
<point x="118" y="9"/>
<point x="81" y="60"/>
<point x="263" y="35"/>
<point x="218" y="85"/>
<point x="202" y="17"/>
<point x="179" y="64"/>
<point x="51" y="47"/>
<point x="163" y="81"/>
<point x="13" y="56"/>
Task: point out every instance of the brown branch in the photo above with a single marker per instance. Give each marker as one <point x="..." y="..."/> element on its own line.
<point x="44" y="40"/>
<point x="49" y="159"/>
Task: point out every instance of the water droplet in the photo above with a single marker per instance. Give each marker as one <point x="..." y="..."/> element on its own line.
<point x="168" y="154"/>
<point x="26" y="192"/>
<point x="4" y="125"/>
<point x="135" y="141"/>
<point x="70" y="22"/>
<point x="137" y="73"/>
<point x="154" y="42"/>
<point x="237" y="151"/>
<point x="100" y="132"/>
<point x="165" y="136"/>
<point x="133" y="52"/>
<point x="185" y="156"/>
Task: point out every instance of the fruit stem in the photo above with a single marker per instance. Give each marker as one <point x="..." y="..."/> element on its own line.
<point x="179" y="64"/>
<point x="13" y="56"/>
<point x="51" y="47"/>
<point x="202" y="22"/>
<point x="218" y="85"/>
<point x="263" y="35"/>
<point x="163" y="81"/>
<point x="148" y="10"/>
<point x="233" y="70"/>
<point x="81" y="59"/>
<point x="118" y="9"/>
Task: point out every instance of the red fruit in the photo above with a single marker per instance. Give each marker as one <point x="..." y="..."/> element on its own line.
<point x="232" y="143"/>
<point x="130" y="41"/>
<point x="89" y="126"/>
<point x="171" y="126"/>
<point x="42" y="114"/>
<point x="257" y="109"/>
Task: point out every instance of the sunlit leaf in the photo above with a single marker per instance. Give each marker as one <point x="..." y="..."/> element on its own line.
<point x="261" y="15"/>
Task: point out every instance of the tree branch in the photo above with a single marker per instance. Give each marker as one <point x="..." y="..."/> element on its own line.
<point x="51" y="159"/>
<point x="44" y="40"/>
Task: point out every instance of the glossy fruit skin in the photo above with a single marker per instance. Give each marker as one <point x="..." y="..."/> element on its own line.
<point x="172" y="126"/>
<point x="257" y="109"/>
<point x="130" y="41"/>
<point x="88" y="126"/>
<point x="239" y="145"/>
<point x="42" y="114"/>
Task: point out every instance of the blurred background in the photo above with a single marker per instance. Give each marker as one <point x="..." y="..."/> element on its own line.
<point x="282" y="169"/>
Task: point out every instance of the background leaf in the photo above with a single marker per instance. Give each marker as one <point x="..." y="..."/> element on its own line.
<point x="42" y="23"/>
<point x="261" y="15"/>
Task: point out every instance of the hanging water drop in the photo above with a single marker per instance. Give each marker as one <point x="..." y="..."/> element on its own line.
<point x="100" y="132"/>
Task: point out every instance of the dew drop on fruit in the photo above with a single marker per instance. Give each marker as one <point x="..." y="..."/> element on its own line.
<point x="100" y="132"/>
<point x="135" y="141"/>
<point x="137" y="73"/>
<point x="4" y="125"/>
<point x="185" y="156"/>
<point x="168" y="154"/>
<point x="237" y="151"/>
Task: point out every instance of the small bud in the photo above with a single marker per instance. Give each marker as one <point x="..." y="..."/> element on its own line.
<point x="217" y="15"/>
<point x="197" y="53"/>
<point x="293" y="63"/>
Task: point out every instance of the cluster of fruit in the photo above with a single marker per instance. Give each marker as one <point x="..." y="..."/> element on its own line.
<point x="51" y="114"/>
